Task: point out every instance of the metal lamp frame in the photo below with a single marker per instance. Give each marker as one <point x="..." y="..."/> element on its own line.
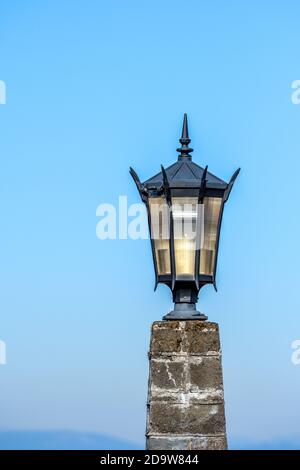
<point x="184" y="179"/>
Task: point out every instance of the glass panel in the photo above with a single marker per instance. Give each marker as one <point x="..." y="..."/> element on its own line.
<point x="184" y="210"/>
<point x="212" y="207"/>
<point x="160" y="233"/>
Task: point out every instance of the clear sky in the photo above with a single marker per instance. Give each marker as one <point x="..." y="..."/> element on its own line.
<point x="92" y="88"/>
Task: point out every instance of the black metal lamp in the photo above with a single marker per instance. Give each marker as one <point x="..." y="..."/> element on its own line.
<point x="185" y="205"/>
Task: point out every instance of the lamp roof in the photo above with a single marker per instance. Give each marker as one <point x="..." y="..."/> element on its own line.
<point x="185" y="172"/>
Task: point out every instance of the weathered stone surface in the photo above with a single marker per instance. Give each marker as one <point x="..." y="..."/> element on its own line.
<point x="187" y="443"/>
<point x="194" y="337"/>
<point x="167" y="374"/>
<point x="206" y="373"/>
<point x="207" y="396"/>
<point x="182" y="379"/>
<point x="189" y="418"/>
<point x="185" y="397"/>
<point x="202" y="373"/>
<point x="201" y="397"/>
<point x="165" y="340"/>
<point x="202" y="338"/>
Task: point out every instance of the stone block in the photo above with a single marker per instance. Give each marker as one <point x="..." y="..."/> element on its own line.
<point x="201" y="338"/>
<point x="189" y="337"/>
<point x="186" y="419"/>
<point x="165" y="340"/>
<point x="167" y="374"/>
<point x="205" y="373"/>
<point x="187" y="443"/>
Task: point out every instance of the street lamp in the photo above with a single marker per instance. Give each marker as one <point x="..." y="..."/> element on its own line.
<point x="185" y="205"/>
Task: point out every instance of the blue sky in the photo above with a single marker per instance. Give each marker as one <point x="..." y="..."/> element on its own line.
<point x="94" y="87"/>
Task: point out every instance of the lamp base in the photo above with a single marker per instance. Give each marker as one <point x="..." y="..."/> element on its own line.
<point x="185" y="311"/>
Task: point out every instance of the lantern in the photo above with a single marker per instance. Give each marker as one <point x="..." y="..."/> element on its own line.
<point x="185" y="205"/>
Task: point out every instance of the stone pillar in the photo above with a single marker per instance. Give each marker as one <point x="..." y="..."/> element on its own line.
<point x="185" y="396"/>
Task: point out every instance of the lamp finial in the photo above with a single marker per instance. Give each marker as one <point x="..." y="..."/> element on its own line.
<point x="185" y="150"/>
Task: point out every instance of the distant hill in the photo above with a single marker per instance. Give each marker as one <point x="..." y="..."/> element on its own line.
<point x="72" y="440"/>
<point x="61" y="440"/>
<point x="288" y="444"/>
